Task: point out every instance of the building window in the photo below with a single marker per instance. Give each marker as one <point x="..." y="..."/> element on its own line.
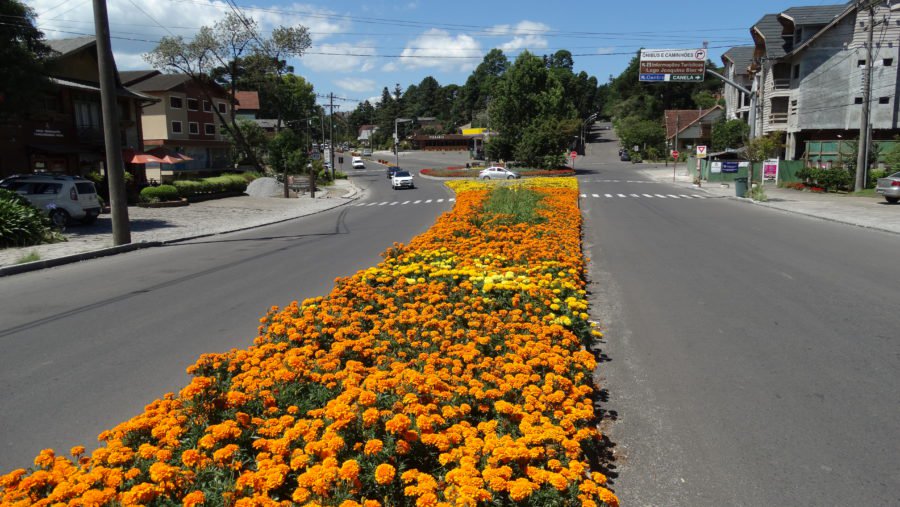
<point x="176" y="127"/>
<point x="192" y="105"/>
<point x="221" y="107"/>
<point x="884" y="100"/>
<point x="210" y="129"/>
<point x="206" y="107"/>
<point x="888" y="62"/>
<point x="860" y="63"/>
<point x="194" y="127"/>
<point x="857" y="100"/>
<point x="175" y="102"/>
<point x="796" y="71"/>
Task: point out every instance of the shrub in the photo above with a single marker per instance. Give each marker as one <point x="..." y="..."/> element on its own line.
<point x="21" y="224"/>
<point x="161" y="193"/>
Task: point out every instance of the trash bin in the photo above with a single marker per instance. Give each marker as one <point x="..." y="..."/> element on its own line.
<point x="740" y="187"/>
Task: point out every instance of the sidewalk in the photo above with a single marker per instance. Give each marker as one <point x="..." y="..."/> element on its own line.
<point x="869" y="212"/>
<point x="156" y="226"/>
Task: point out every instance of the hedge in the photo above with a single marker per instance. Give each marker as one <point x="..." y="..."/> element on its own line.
<point x="21" y="224"/>
<point x="160" y="193"/>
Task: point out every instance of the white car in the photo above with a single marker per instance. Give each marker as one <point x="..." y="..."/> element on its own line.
<point x="62" y="198"/>
<point x="497" y="173"/>
<point x="358" y="163"/>
<point x="402" y="179"/>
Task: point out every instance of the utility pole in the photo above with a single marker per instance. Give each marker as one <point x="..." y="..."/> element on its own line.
<point x="331" y="150"/>
<point x="862" y="161"/>
<point x="115" y="170"/>
<point x="677" y="128"/>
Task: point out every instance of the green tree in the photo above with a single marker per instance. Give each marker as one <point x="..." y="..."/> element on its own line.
<point x="634" y="131"/>
<point x="704" y="99"/>
<point x="257" y="141"/>
<point x="729" y="134"/>
<point x="22" y="57"/>
<point x="761" y="149"/>
<point x="892" y="158"/>
<point x="286" y="155"/>
<point x="542" y="143"/>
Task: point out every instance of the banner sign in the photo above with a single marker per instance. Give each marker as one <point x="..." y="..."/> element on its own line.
<point x="679" y="65"/>
<point x="730" y="166"/>
<point x="770" y="170"/>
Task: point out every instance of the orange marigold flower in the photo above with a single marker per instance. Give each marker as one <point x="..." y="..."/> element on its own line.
<point x="384" y="473"/>
<point x="349" y="470"/>
<point x="373" y="446"/>
<point x="193" y="499"/>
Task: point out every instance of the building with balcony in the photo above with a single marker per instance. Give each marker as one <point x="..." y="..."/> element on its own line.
<point x="809" y="66"/>
<point x="188" y="119"/>
<point x="737" y="63"/>
<point x="64" y="133"/>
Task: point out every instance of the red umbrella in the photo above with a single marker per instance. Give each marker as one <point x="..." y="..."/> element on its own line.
<point x="166" y="157"/>
<point x="132" y="157"/>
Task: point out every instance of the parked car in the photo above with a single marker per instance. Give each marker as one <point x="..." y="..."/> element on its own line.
<point x="62" y="198"/>
<point x="497" y="173"/>
<point x="391" y="170"/>
<point x="624" y="156"/>
<point x="358" y="163"/>
<point x="402" y="179"/>
<point x="889" y="187"/>
<point x="367" y="152"/>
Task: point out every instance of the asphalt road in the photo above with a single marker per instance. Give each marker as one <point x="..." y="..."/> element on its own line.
<point x="87" y="345"/>
<point x="753" y="354"/>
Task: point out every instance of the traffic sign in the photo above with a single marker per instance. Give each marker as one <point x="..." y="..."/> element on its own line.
<point x="315" y="155"/>
<point x="701" y="151"/>
<point x="574" y="154"/>
<point x="675" y="153"/>
<point x="679" y="65"/>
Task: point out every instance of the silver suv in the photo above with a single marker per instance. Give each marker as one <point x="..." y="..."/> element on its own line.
<point x="62" y="198"/>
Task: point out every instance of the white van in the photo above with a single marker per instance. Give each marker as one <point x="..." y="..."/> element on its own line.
<point x="358" y="163"/>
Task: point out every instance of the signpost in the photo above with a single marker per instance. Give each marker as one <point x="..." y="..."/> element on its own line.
<point x="701" y="151"/>
<point x="675" y="154"/>
<point x="770" y="171"/>
<point x="574" y="155"/>
<point x="678" y="65"/>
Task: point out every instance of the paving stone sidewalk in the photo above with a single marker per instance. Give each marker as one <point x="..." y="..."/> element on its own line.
<point x="153" y="225"/>
<point x="869" y="212"/>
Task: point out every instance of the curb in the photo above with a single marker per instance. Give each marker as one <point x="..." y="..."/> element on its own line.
<point x="16" y="269"/>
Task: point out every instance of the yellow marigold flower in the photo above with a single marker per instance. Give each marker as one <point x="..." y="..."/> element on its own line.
<point x="77" y="451"/>
<point x="520" y="489"/>
<point x="384" y="473"/>
<point x="349" y="470"/>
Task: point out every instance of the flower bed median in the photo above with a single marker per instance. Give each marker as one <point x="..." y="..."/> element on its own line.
<point x="452" y="373"/>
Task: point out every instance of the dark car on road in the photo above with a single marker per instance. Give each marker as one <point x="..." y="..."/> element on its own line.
<point x="391" y="170"/>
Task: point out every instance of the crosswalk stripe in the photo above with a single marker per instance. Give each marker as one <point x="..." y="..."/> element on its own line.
<point x="583" y="196"/>
<point x="634" y="195"/>
<point x="452" y="199"/>
<point x="647" y="195"/>
<point x="608" y="195"/>
<point x="660" y="196"/>
<point x="372" y="204"/>
<point x="428" y="201"/>
<point x="394" y="203"/>
<point x="440" y="200"/>
<point x="672" y="196"/>
<point x="699" y="196"/>
<point x="417" y="202"/>
<point x="595" y="195"/>
<point x="622" y="195"/>
<point x="382" y="204"/>
<point x="404" y="202"/>
<point x="685" y="196"/>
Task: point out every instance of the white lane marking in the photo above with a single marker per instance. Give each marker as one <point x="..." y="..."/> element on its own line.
<point x="685" y="196"/>
<point x="394" y="203"/>
<point x="672" y="196"/>
<point x="622" y="195"/>
<point x="699" y="196"/>
<point x="404" y="202"/>
<point x="428" y="201"/>
<point x="595" y="195"/>
<point x="452" y="199"/>
<point x="583" y="196"/>
<point x="382" y="204"/>
<point x="372" y="204"/>
<point x="440" y="200"/>
<point x="608" y="195"/>
<point x="660" y="196"/>
<point x="634" y="195"/>
<point x="417" y="202"/>
<point x="647" y="195"/>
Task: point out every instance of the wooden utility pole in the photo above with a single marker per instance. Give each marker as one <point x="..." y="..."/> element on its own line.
<point x="331" y="151"/>
<point x="862" y="161"/>
<point x="115" y="170"/>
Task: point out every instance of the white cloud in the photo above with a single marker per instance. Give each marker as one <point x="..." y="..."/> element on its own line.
<point x="605" y="51"/>
<point x="358" y="85"/>
<point x="390" y="67"/>
<point x="340" y="57"/>
<point x="374" y="100"/>
<point x="130" y="61"/>
<point x="526" y="35"/>
<point x="432" y="48"/>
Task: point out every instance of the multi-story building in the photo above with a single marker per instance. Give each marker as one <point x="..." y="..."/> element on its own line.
<point x="737" y="63"/>
<point x="809" y="66"/>
<point x="187" y="119"/>
<point x="64" y="132"/>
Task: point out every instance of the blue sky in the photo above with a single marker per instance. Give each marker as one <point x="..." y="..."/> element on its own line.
<point x="361" y="46"/>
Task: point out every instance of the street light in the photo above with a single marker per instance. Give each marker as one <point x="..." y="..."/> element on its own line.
<point x="397" y="137"/>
